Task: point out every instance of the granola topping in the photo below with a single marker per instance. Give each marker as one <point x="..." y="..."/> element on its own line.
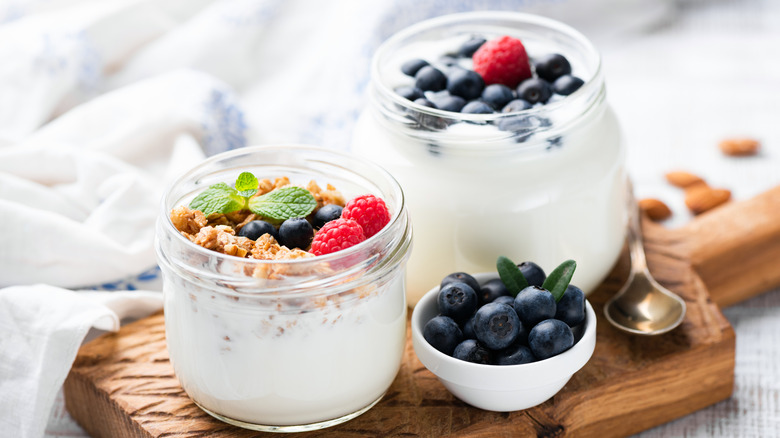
<point x="276" y="220"/>
<point x="219" y="231"/>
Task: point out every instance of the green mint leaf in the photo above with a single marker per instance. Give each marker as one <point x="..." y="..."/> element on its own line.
<point x="284" y="203"/>
<point x="510" y="275"/>
<point x="218" y="198"/>
<point x="246" y="184"/>
<point x="559" y="279"/>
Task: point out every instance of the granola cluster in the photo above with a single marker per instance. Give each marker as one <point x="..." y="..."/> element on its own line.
<point x="217" y="231"/>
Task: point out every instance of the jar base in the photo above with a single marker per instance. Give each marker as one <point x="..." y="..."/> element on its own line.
<point x="290" y="428"/>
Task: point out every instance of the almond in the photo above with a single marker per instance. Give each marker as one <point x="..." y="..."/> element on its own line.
<point x="683" y="179"/>
<point x="655" y="209"/>
<point x="739" y="146"/>
<point x="701" y="198"/>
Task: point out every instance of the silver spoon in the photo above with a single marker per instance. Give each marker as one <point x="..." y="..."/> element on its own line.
<point x="642" y="306"/>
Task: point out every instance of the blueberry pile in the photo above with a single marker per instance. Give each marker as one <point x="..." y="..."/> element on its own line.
<point x="521" y="317"/>
<point x="448" y="86"/>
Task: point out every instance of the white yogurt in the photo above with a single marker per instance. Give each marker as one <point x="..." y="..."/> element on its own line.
<point x="274" y="368"/>
<point x="474" y="191"/>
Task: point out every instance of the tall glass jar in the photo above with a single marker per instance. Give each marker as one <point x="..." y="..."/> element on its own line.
<point x="545" y="184"/>
<point x="286" y="345"/>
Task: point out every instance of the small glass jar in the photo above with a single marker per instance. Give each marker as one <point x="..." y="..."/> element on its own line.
<point x="545" y="184"/>
<point x="286" y="345"/>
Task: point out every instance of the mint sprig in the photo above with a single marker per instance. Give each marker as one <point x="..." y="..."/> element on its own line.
<point x="559" y="279"/>
<point x="278" y="205"/>
<point x="246" y="184"/>
<point x="218" y="198"/>
<point x="284" y="203"/>
<point x="510" y="275"/>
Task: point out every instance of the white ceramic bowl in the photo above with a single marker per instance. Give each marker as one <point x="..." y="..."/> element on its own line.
<point x="500" y="388"/>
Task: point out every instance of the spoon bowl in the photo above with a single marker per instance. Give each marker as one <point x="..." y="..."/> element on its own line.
<point x="645" y="308"/>
<point x="642" y="306"/>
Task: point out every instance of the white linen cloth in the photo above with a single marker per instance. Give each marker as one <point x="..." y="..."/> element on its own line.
<point x="102" y="103"/>
<point x="41" y="340"/>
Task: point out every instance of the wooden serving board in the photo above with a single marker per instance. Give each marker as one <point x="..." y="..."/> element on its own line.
<point x="122" y="384"/>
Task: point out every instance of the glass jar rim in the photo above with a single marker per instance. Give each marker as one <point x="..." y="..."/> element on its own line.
<point x="345" y="253"/>
<point x="587" y="96"/>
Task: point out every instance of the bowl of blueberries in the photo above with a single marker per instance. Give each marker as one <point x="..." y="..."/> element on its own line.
<point x="507" y="340"/>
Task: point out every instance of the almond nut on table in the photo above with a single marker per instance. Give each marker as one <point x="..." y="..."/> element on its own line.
<point x="683" y="179"/>
<point x="655" y="209"/>
<point x="739" y="146"/>
<point x="700" y="198"/>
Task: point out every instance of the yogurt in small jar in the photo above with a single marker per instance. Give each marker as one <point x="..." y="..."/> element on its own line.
<point x="546" y="184"/>
<point x="286" y="345"/>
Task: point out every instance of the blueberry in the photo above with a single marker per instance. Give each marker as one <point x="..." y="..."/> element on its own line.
<point x="491" y="290"/>
<point x="514" y="354"/>
<point x="534" y="90"/>
<point x="496" y="325"/>
<point x="476" y="107"/>
<point x="522" y="332"/>
<point x="509" y="300"/>
<point x="565" y="85"/>
<point x="409" y="93"/>
<point x="523" y="126"/>
<point x="551" y="67"/>
<point x="448" y="60"/>
<point x="430" y="79"/>
<point x="549" y="338"/>
<point x="326" y="214"/>
<point x="253" y="230"/>
<point x="468" y="329"/>
<point x="534" y="304"/>
<point x="447" y="102"/>
<point x="497" y="95"/>
<point x="412" y="66"/>
<point x="468" y="48"/>
<point x="571" y="306"/>
<point x="516" y="105"/>
<point x="467" y="84"/>
<point x="458" y="301"/>
<point x="296" y="233"/>
<point x="424" y="102"/>
<point x="471" y="351"/>
<point x="443" y="334"/>
<point x="460" y="277"/>
<point x="533" y="273"/>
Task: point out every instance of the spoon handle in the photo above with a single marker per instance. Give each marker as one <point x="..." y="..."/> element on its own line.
<point x="635" y="246"/>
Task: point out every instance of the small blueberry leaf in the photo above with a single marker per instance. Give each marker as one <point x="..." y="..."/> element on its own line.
<point x="559" y="279"/>
<point x="218" y="198"/>
<point x="510" y="275"/>
<point x="283" y="203"/>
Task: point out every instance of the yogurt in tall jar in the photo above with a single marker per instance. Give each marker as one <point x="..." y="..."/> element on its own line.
<point x="546" y="183"/>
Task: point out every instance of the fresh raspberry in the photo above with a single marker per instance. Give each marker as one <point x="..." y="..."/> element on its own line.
<point x="336" y="235"/>
<point x="369" y="211"/>
<point x="502" y="61"/>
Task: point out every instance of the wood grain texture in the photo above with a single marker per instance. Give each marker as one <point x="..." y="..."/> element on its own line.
<point x="732" y="239"/>
<point x="122" y="384"/>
